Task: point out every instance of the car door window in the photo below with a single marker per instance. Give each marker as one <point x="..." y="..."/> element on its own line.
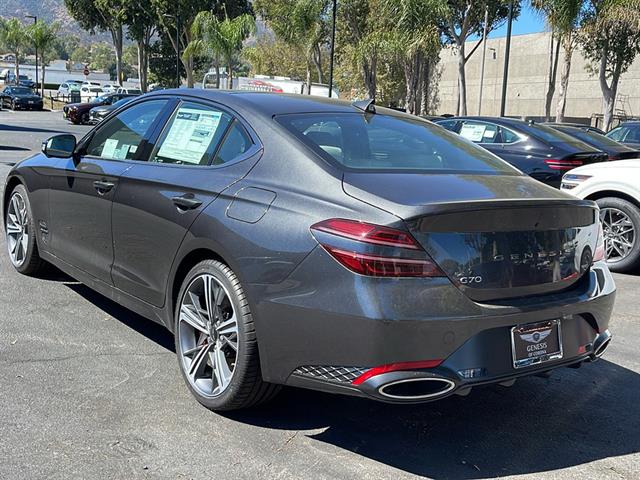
<point x="480" y="132"/>
<point x="191" y="135"/>
<point x="508" y="136"/>
<point x="121" y="136"/>
<point x="234" y="145"/>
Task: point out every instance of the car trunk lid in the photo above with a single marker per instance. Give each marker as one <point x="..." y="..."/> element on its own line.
<point x="501" y="237"/>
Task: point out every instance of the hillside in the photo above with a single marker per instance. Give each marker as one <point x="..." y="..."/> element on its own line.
<point x="49" y="10"/>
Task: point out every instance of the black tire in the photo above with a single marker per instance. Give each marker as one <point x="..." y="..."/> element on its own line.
<point x="632" y="260"/>
<point x="13" y="105"/>
<point x="84" y="119"/>
<point x="32" y="264"/>
<point x="246" y="388"/>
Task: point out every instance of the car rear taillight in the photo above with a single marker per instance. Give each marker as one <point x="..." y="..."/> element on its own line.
<point x="368" y="233"/>
<point x="374" y="250"/>
<point x="556" y="164"/>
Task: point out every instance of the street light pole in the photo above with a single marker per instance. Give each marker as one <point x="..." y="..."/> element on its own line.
<point x="333" y="45"/>
<point x="177" y="50"/>
<point x="506" y="61"/>
<point x="35" y="20"/>
<point x="484" y="57"/>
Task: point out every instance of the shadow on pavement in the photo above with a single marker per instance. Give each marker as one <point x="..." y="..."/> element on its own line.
<point x="153" y="331"/>
<point x="16" y="128"/>
<point x="538" y="425"/>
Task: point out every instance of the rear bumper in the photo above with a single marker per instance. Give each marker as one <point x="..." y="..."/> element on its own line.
<point x="324" y="327"/>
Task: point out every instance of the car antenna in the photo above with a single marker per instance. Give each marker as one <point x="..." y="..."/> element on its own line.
<point x="367" y="106"/>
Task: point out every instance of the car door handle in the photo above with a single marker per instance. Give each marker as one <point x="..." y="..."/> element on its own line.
<point x="186" y="202"/>
<point x="103" y="187"/>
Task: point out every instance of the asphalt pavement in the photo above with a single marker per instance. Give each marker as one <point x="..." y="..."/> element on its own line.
<point x="90" y="390"/>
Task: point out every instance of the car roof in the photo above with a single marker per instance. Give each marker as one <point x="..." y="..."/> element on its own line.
<point x="270" y="104"/>
<point x="629" y="122"/>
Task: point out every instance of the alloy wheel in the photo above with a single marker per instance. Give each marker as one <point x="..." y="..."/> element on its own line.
<point x="17" y="228"/>
<point x="619" y="233"/>
<point x="208" y="336"/>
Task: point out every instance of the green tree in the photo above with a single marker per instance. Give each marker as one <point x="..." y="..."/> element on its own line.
<point x="610" y="39"/>
<point x="562" y="17"/>
<point x="360" y="40"/>
<point x="43" y="37"/>
<point x="186" y="12"/>
<point x="413" y="36"/>
<point x="103" y="15"/>
<point x="81" y="55"/>
<point x="272" y="56"/>
<point x="141" y="28"/>
<point x="13" y="36"/>
<point x="220" y="38"/>
<point x="464" y="19"/>
<point x="302" y="24"/>
<point x="102" y="56"/>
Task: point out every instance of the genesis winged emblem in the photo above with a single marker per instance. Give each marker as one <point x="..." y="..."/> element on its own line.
<point x="535" y="337"/>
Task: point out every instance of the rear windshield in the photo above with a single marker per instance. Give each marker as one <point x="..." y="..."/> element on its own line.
<point x="545" y="133"/>
<point x="592" y="137"/>
<point x="388" y="143"/>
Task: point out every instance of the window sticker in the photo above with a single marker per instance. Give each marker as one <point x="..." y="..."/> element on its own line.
<point x="110" y="146"/>
<point x="472" y="132"/>
<point x="190" y="135"/>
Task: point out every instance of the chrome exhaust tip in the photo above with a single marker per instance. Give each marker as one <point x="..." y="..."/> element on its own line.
<point x="600" y="344"/>
<point x="421" y="388"/>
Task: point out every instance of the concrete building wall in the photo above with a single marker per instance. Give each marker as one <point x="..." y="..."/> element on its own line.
<point x="528" y="77"/>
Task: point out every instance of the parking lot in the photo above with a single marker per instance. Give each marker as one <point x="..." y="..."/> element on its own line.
<point x="92" y="390"/>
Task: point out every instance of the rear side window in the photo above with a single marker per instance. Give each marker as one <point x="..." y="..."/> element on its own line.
<point x="236" y="143"/>
<point x="191" y="135"/>
<point x="617" y="134"/>
<point x="388" y="143"/>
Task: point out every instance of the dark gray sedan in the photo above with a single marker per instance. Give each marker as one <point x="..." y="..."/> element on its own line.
<point x="316" y="243"/>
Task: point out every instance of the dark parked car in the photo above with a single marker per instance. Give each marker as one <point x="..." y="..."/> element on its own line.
<point x="538" y="150"/>
<point x="20" y="98"/>
<point x="98" y="114"/>
<point x="78" y="113"/>
<point x="627" y="133"/>
<point x="588" y="128"/>
<point x="24" y="81"/>
<point x="615" y="150"/>
<point x="295" y="240"/>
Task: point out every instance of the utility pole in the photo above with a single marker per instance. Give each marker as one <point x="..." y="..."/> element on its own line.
<point x="35" y="20"/>
<point x="506" y="61"/>
<point x="333" y="45"/>
<point x="484" y="57"/>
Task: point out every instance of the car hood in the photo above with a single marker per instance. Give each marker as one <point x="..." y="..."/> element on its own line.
<point x="26" y="96"/>
<point x="608" y="166"/>
<point x="407" y="194"/>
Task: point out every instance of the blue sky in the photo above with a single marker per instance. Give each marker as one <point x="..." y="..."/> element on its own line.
<point x="528" y="22"/>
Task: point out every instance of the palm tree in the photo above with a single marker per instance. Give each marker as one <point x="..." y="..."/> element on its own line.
<point x="302" y="24"/>
<point x="13" y="37"/>
<point x="43" y="36"/>
<point x="220" y="38"/>
<point x="563" y="17"/>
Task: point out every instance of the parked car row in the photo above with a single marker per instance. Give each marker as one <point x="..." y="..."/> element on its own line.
<point x="80" y="113"/>
<point x="89" y="89"/>
<point x="579" y="159"/>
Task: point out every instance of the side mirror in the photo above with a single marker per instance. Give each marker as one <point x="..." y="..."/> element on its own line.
<point x="60" y="146"/>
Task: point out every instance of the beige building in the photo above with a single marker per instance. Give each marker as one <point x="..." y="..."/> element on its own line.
<point x="528" y="77"/>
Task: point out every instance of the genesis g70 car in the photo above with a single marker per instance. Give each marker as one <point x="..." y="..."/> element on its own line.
<point x="295" y="240"/>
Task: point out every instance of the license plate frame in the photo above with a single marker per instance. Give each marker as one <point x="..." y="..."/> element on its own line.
<point x="532" y="335"/>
